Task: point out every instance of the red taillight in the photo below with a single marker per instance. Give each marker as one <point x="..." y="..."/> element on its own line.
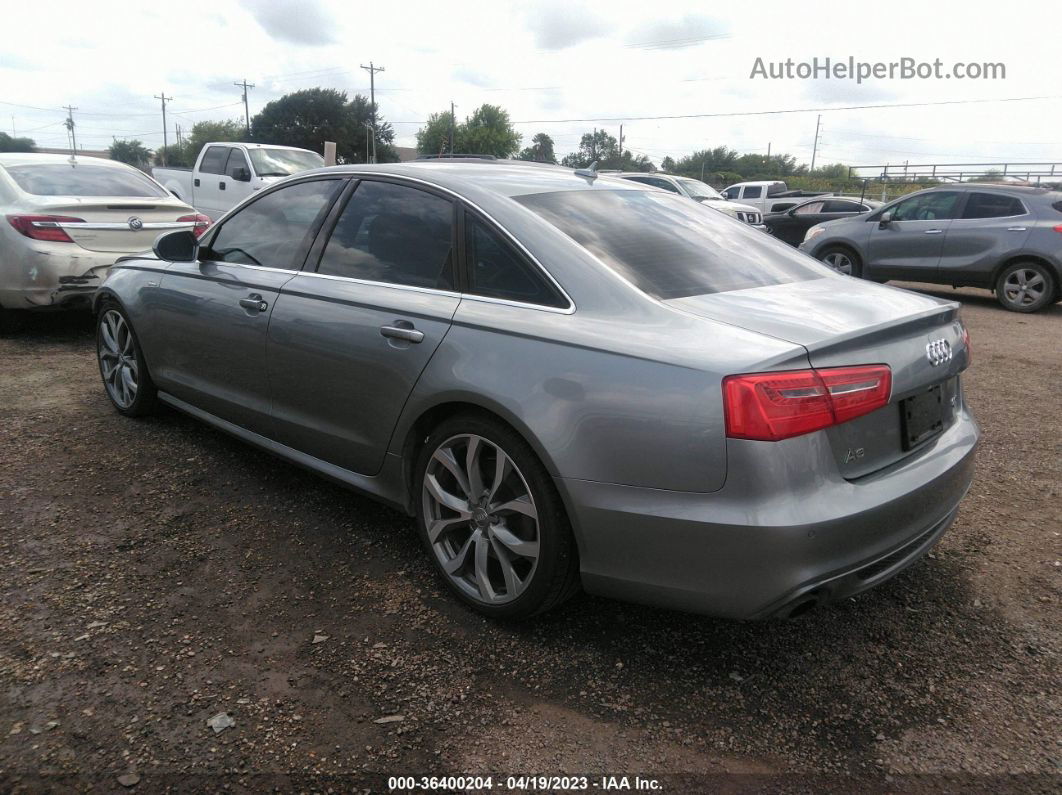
<point x="200" y="222"/>
<point x="43" y="227"/>
<point x="1058" y="228"/>
<point x="774" y="406"/>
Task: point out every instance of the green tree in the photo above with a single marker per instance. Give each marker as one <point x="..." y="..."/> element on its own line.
<point x="12" y="144"/>
<point x="600" y="147"/>
<point x="174" y="156"/>
<point x="488" y="131"/>
<point x="434" y="137"/>
<point x="667" y="164"/>
<point x="309" y="117"/>
<point x="132" y="152"/>
<point x="541" y="150"/>
<point x="203" y="132"/>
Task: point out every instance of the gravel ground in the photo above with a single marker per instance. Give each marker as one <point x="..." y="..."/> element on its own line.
<point x="156" y="573"/>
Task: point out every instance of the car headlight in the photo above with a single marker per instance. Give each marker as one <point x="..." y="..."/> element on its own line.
<point x="813" y="233"/>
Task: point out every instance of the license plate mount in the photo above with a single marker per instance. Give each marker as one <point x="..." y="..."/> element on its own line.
<point x="922" y="416"/>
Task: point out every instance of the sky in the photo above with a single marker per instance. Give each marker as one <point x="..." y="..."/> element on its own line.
<point x="601" y="63"/>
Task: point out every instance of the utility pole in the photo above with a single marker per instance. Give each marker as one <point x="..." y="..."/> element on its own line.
<point x="69" y="124"/>
<point x="372" y="69"/>
<point x="246" y="113"/>
<point x="815" y="148"/>
<point x="165" y="132"/>
<point x="621" y="144"/>
<point x="453" y="122"/>
<point x="768" y="150"/>
<point x="13" y="126"/>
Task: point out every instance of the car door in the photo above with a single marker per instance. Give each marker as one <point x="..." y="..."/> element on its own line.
<point x="991" y="227"/>
<point x="206" y="182"/>
<point x="351" y="335"/>
<point x="791" y="225"/>
<point x="237" y="182"/>
<point x="213" y="314"/>
<point x="910" y="244"/>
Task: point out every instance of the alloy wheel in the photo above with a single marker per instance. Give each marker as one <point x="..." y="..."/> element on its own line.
<point x="118" y="358"/>
<point x="839" y="262"/>
<point x="482" y="522"/>
<point x="1024" y="287"/>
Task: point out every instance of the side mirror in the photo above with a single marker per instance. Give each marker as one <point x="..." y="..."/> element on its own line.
<point x="241" y="174"/>
<point x="179" y="246"/>
<point x="884" y="219"/>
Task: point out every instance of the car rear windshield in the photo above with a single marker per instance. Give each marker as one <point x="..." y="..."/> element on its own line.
<point x="81" y="179"/>
<point x="668" y="246"/>
<point x="283" y="162"/>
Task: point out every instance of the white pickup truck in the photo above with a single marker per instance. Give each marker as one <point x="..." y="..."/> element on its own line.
<point x="768" y="196"/>
<point x="227" y="173"/>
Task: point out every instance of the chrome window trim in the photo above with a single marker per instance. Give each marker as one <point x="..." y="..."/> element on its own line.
<point x="501" y="227"/>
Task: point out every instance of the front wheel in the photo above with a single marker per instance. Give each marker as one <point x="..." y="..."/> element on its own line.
<point x="125" y="375"/>
<point x="492" y="520"/>
<point x="1025" y="287"/>
<point x="842" y="260"/>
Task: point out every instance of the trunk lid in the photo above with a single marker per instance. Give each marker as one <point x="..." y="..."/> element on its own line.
<point x="108" y="222"/>
<point x="842" y="321"/>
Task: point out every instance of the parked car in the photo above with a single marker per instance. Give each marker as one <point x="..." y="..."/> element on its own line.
<point x="791" y="225"/>
<point x="565" y="379"/>
<point x="698" y="191"/>
<point x="769" y="196"/>
<point x="67" y="220"/>
<point x="1005" y="238"/>
<point x="227" y="173"/>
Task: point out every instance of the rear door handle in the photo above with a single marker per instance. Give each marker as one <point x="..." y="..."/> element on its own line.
<point x="405" y="332"/>
<point x="1016" y="229"/>
<point x="934" y="231"/>
<point x="254" y="302"/>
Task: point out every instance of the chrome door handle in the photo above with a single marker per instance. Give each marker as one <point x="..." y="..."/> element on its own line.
<point x="1016" y="229"/>
<point x="254" y="302"/>
<point x="934" y="231"/>
<point x="399" y="333"/>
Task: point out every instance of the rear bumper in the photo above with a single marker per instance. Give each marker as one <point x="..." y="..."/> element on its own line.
<point x="787" y="530"/>
<point x="42" y="279"/>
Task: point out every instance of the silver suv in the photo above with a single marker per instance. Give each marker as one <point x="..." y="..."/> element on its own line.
<point x="699" y="192"/>
<point x="1006" y="238"/>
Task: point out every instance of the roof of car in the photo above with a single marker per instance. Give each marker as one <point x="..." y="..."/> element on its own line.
<point x="501" y="177"/>
<point x="27" y="158"/>
<point x="1005" y="186"/>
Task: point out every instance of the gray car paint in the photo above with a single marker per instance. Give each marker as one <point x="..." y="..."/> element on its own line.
<point x="959" y="252"/>
<point x="619" y="394"/>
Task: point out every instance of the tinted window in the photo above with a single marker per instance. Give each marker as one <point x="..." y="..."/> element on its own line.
<point x="753" y="191"/>
<point x="991" y="205"/>
<point x="732" y="193"/>
<point x="63" y="179"/>
<point x="393" y="233"/>
<point x="841" y="207"/>
<point x="809" y="208"/>
<point x="934" y="206"/>
<point x="667" y="246"/>
<point x="775" y="188"/>
<point x="497" y="271"/>
<point x="236" y="160"/>
<point x="214" y="160"/>
<point x="271" y="231"/>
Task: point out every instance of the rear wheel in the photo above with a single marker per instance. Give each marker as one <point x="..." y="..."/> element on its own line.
<point x="125" y="375"/>
<point x="492" y="520"/>
<point x="1025" y="287"/>
<point x="842" y="260"/>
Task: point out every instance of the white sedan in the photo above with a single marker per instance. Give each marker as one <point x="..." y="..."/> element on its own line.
<point x="64" y="221"/>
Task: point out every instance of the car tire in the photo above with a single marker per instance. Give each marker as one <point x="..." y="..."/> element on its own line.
<point x="1026" y="286"/>
<point x="122" y="367"/>
<point x="843" y="260"/>
<point x="505" y="549"/>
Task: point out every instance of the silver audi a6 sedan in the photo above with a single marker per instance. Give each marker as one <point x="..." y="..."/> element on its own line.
<point x="568" y="379"/>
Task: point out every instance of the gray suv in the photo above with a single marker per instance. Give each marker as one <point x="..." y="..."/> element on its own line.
<point x="1005" y="238"/>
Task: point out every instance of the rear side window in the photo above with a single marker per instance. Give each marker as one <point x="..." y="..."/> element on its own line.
<point x="82" y="179"/>
<point x="934" y="206"/>
<point x="272" y="231"/>
<point x="991" y="205"/>
<point x="752" y="192"/>
<point x="667" y="246"/>
<point x="394" y="234"/>
<point x="497" y="271"/>
<point x="214" y="160"/>
<point x="843" y="207"/>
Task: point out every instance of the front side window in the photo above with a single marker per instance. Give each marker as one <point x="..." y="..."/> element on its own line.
<point x="213" y="161"/>
<point x="497" y="271"/>
<point x="809" y="208"/>
<point x="394" y="234"/>
<point x="64" y="179"/>
<point x="732" y="193"/>
<point x="934" y="206"/>
<point x="753" y="191"/>
<point x="236" y="161"/>
<point x="667" y="246"/>
<point x="991" y="205"/>
<point x="271" y="231"/>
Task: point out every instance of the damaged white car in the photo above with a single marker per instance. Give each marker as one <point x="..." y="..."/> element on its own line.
<point x="66" y="220"/>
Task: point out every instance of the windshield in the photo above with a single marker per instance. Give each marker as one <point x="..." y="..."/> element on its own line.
<point x="82" y="179"/>
<point x="699" y="190"/>
<point x="283" y="162"/>
<point x="669" y="247"/>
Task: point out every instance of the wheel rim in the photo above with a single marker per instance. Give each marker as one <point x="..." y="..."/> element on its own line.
<point x="117" y="358"/>
<point x="481" y="519"/>
<point x="839" y="262"/>
<point x="1024" y="287"/>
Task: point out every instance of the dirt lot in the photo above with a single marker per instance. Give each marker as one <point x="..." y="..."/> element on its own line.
<point x="156" y="573"/>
